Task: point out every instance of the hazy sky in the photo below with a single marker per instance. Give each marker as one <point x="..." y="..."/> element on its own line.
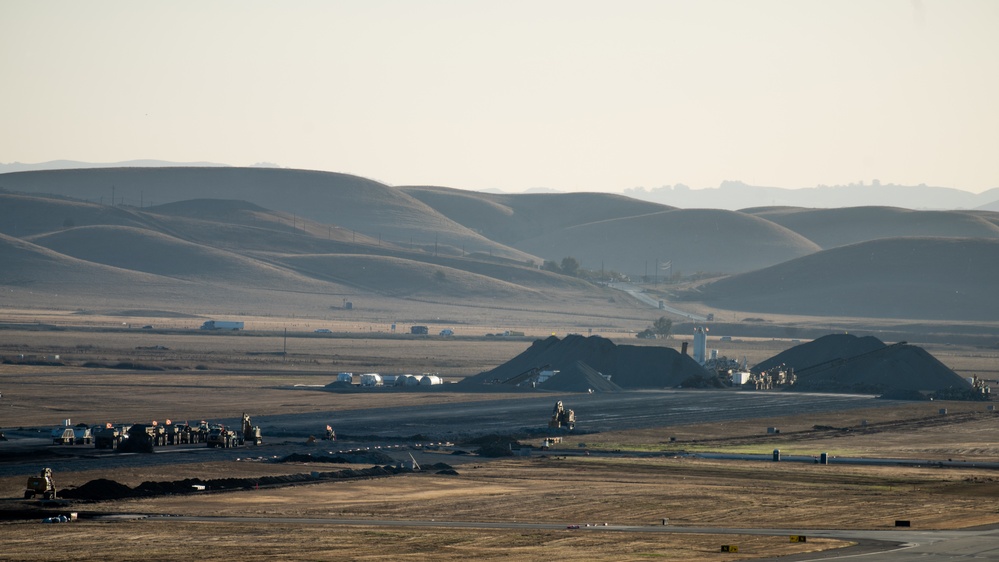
<point x="571" y="95"/>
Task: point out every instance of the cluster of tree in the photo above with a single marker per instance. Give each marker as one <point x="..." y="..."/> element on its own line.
<point x="570" y="266"/>
<point x="659" y="329"/>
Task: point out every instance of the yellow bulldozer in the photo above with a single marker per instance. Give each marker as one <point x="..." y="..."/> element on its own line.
<point x="41" y="485"/>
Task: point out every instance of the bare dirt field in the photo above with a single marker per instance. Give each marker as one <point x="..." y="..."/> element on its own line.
<point x="633" y="477"/>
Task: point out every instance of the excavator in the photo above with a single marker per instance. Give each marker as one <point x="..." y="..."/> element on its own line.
<point x="562" y="417"/>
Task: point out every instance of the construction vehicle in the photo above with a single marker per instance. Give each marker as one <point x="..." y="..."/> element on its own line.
<point x="63" y="436"/>
<point x="108" y="437"/>
<point x="562" y="417"/>
<point x="42" y="485"/>
<point x="220" y="436"/>
<point x="72" y="435"/>
<point x="138" y="439"/>
<point x="330" y="434"/>
<point x="250" y="432"/>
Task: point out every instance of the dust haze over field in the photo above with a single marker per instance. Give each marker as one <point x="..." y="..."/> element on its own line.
<point x="291" y="252"/>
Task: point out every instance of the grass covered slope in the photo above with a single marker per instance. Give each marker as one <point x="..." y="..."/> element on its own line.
<point x="916" y="278"/>
<point x="830" y="228"/>
<point x="404" y="278"/>
<point x="146" y="251"/>
<point x="510" y="218"/>
<point x="695" y="240"/>
<point x="364" y="206"/>
<point x="27" y="215"/>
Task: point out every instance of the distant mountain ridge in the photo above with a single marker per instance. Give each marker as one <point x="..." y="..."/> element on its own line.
<point x="730" y="195"/>
<point x="735" y="195"/>
<point x="77" y="165"/>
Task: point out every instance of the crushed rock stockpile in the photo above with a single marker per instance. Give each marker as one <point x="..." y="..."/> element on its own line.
<point x="847" y="363"/>
<point x="581" y="362"/>
<point x="579" y="377"/>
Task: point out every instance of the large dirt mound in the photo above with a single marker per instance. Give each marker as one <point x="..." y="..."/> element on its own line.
<point x="579" y="377"/>
<point x="578" y="357"/>
<point x="845" y="363"/>
<point x="104" y="489"/>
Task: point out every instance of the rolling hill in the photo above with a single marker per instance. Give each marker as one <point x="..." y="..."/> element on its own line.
<point x="34" y="276"/>
<point x="930" y="278"/>
<point x="694" y="240"/>
<point x="350" y="202"/>
<point x="513" y="218"/>
<point x="830" y="228"/>
<point x="290" y="240"/>
<point x="146" y="251"/>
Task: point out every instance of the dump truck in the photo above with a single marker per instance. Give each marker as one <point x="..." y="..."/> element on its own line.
<point x="42" y="485"/>
<point x="108" y="437"/>
<point x="221" y="325"/>
<point x="562" y="417"/>
<point x="220" y="436"/>
<point x="138" y="439"/>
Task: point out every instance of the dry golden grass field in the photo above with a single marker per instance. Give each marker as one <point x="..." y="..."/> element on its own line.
<point x="209" y="376"/>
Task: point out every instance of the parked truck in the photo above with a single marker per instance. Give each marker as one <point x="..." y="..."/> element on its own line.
<point x="221" y="436"/>
<point x="109" y="436"/>
<point x="221" y="325"/>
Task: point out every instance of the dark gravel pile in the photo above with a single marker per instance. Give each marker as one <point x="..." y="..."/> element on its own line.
<point x="103" y="489"/>
<point x="822" y="350"/>
<point x="579" y="377"/>
<point x="100" y="488"/>
<point x="845" y="363"/>
<point x="373" y="457"/>
<point x="578" y="357"/>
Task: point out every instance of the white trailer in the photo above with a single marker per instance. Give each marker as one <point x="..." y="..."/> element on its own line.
<point x="221" y="325"/>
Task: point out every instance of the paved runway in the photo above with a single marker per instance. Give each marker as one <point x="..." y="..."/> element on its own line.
<point x="594" y="412"/>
